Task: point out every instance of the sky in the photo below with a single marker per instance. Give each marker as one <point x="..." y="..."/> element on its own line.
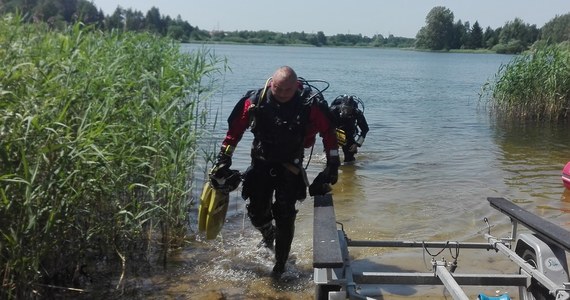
<point x="401" y="18"/>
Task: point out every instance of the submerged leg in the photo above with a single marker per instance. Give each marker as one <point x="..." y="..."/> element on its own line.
<point x="285" y="230"/>
<point x="348" y="155"/>
<point x="268" y="232"/>
<point x="260" y="194"/>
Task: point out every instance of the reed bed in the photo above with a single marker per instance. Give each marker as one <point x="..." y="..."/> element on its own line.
<point x="99" y="136"/>
<point x="533" y="86"/>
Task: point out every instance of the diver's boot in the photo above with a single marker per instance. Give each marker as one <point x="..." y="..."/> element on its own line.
<point x="349" y="158"/>
<point x="278" y="269"/>
<point x="284" y="232"/>
<point x="268" y="233"/>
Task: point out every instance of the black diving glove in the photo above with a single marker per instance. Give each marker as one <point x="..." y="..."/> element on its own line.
<point x="222" y="178"/>
<point x="319" y="186"/>
<point x="329" y="176"/>
<point x="331" y="170"/>
<point x="221" y="168"/>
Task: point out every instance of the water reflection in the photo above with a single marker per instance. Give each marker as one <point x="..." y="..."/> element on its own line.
<point x="566" y="196"/>
<point x="348" y="182"/>
<point x="533" y="156"/>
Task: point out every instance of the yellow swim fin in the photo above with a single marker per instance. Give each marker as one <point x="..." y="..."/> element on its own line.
<point x="205" y="200"/>
<point x="341" y="137"/>
<point x="217" y="213"/>
<point x="212" y="212"/>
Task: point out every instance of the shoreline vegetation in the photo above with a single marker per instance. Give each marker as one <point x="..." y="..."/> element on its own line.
<point x="534" y="86"/>
<point x="100" y="132"/>
<point x="97" y="155"/>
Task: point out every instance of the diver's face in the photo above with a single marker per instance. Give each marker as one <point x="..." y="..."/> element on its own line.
<point x="346" y="112"/>
<point x="283" y="90"/>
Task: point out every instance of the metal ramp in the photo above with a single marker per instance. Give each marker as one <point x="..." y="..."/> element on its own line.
<point x="540" y="257"/>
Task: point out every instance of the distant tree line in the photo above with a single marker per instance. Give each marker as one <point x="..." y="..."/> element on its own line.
<point x="59" y="13"/>
<point x="441" y="31"/>
<point x="316" y="39"/>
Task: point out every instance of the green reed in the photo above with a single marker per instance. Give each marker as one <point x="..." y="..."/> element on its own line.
<point x="533" y="86"/>
<point x="98" y="139"/>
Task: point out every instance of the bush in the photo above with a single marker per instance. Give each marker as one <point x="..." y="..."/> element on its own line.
<point x="535" y="85"/>
<point x="513" y="47"/>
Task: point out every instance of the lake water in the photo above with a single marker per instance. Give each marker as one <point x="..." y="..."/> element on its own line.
<point x="430" y="160"/>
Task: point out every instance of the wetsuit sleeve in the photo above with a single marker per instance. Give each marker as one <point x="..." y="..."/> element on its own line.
<point x="238" y="121"/>
<point x="362" y="124"/>
<point x="320" y="121"/>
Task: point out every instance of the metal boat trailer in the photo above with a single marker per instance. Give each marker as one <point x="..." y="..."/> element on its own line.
<point x="539" y="253"/>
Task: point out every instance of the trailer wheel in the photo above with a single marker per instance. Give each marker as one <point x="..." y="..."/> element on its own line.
<point x="535" y="291"/>
<point x="322" y="291"/>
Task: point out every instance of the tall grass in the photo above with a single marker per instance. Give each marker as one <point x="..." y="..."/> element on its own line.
<point x="98" y="139"/>
<point x="533" y="86"/>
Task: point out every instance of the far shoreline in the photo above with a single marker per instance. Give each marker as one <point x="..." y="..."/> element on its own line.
<point x="472" y="51"/>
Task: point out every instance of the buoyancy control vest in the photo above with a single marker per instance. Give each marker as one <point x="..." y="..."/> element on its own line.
<point x="279" y="128"/>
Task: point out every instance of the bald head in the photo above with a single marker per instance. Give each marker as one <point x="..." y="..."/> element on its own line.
<point x="284" y="84"/>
